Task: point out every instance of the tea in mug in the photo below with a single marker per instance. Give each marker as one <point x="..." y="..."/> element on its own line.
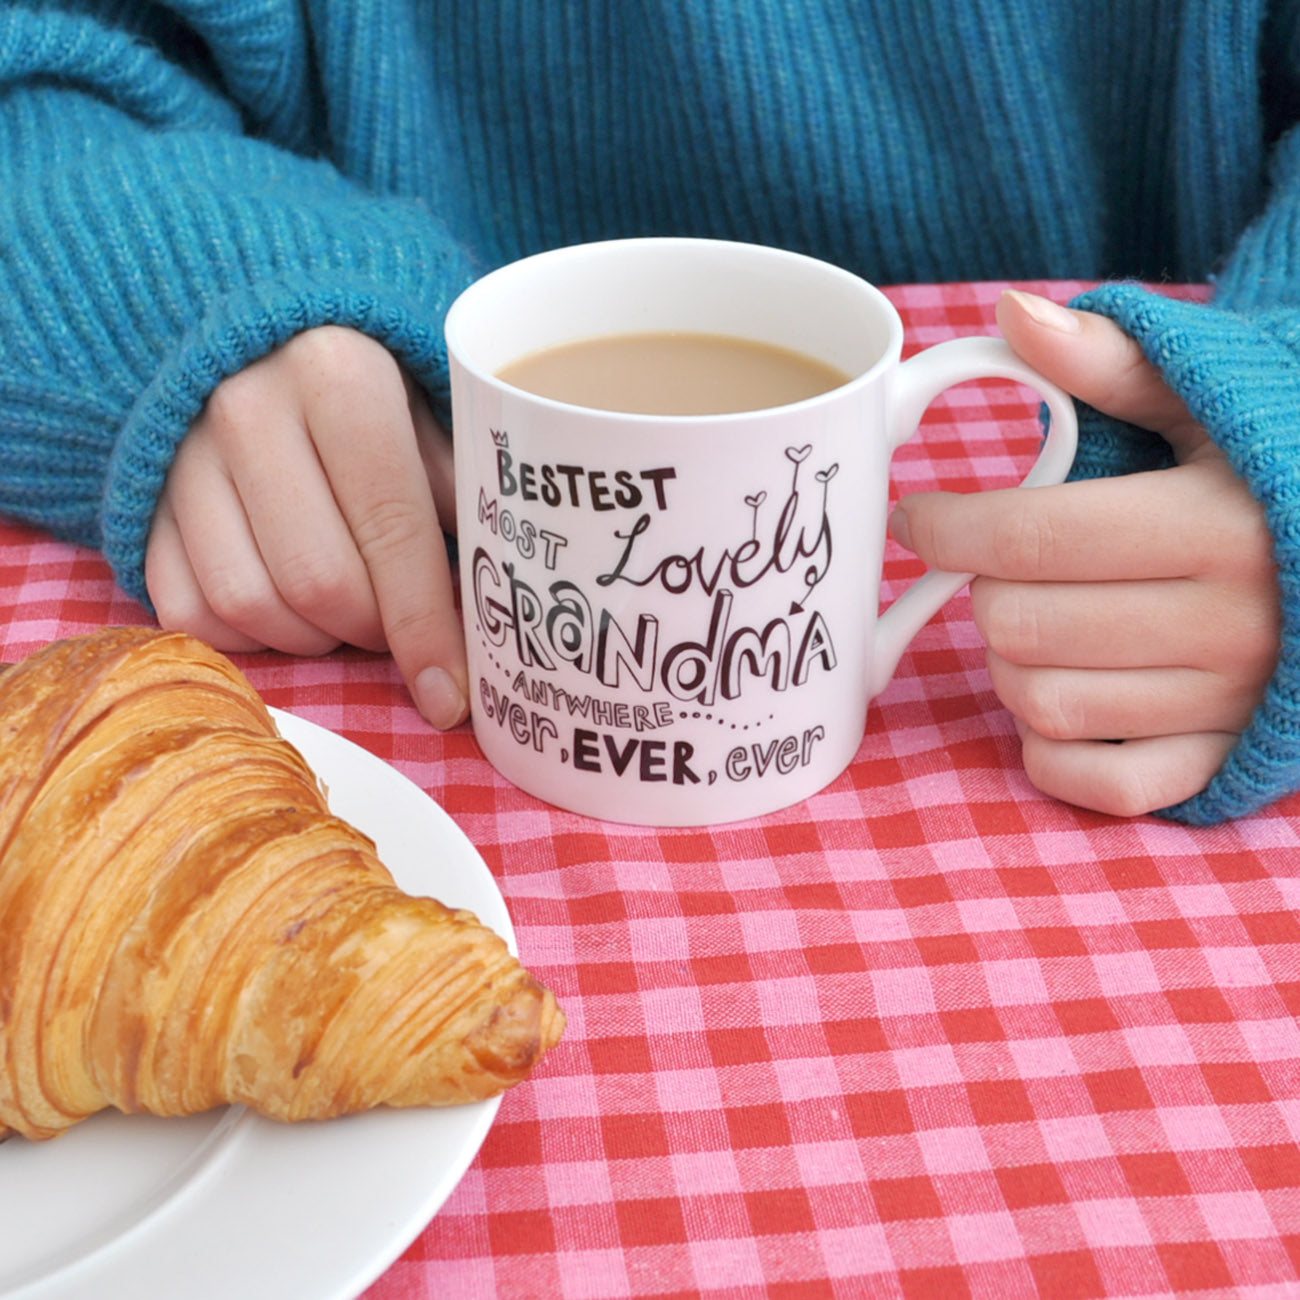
<point x="672" y="373"/>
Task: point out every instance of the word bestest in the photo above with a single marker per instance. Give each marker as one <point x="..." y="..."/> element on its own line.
<point x="556" y="485"/>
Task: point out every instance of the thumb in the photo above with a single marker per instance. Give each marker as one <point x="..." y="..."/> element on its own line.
<point x="1094" y="360"/>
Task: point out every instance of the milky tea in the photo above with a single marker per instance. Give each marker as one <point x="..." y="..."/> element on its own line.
<point x="672" y="373"/>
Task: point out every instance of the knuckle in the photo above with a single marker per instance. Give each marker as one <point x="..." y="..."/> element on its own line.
<point x="175" y="610"/>
<point x="1147" y="777"/>
<point x="235" y="600"/>
<point x="388" y="528"/>
<point x="1022" y="541"/>
<point x="231" y="406"/>
<point x="324" y="344"/>
<point x="1049" y="707"/>
<point x="1008" y="619"/>
<point x="314" y="581"/>
<point x="1128" y="794"/>
<point x="929" y="539"/>
<point x="336" y="355"/>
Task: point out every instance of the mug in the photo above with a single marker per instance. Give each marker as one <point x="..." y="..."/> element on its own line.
<point x="673" y="620"/>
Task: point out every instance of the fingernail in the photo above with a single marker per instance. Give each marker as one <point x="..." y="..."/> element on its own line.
<point x="899" y="529"/>
<point x="438" y="698"/>
<point x="1051" y="315"/>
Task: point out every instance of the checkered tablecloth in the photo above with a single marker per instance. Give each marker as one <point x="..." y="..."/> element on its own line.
<point x="929" y="1035"/>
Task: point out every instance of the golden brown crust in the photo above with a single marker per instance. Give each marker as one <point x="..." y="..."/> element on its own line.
<point x="184" y="924"/>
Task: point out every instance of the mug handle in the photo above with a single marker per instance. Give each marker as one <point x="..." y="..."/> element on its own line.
<point x="918" y="381"/>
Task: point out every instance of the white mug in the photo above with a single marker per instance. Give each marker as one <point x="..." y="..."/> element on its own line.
<point x="674" y="620"/>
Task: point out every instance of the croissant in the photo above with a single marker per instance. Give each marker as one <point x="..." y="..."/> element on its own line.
<point x="184" y="925"/>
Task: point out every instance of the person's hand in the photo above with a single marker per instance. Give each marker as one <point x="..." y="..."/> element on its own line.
<point x="306" y="508"/>
<point x="1141" y="609"/>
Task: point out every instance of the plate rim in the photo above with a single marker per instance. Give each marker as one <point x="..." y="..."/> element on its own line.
<point x="148" y="1247"/>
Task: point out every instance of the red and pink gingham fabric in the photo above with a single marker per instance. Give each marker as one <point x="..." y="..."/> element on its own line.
<point x="929" y="1035"/>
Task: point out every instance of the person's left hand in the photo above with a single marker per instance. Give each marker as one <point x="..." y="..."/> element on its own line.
<point x="1141" y="609"/>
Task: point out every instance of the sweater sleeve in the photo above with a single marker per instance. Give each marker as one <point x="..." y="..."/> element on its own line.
<point x="1236" y="363"/>
<point x="156" y="238"/>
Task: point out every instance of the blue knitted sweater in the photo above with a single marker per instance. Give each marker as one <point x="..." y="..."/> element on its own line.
<point x="184" y="185"/>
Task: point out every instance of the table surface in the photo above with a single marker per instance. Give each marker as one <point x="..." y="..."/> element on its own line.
<point x="927" y="1035"/>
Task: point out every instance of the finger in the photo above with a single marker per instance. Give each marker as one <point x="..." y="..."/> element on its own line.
<point x="228" y="567"/>
<point x="178" y="600"/>
<point x="1151" y="525"/>
<point x="1128" y="780"/>
<point x="1165" y="623"/>
<point x="293" y="519"/>
<point x="364" y="435"/>
<point x="1120" y="703"/>
<point x="1090" y="356"/>
<point x="436" y="451"/>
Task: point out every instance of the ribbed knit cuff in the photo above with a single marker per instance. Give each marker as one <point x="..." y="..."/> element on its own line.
<point x="140" y="271"/>
<point x="1240" y="377"/>
<point x="239" y="329"/>
<point x="1108" y="446"/>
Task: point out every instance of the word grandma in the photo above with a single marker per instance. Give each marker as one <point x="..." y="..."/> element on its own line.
<point x="561" y="626"/>
<point x="553" y="485"/>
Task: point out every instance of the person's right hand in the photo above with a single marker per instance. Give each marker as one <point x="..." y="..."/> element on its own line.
<point x="306" y="508"/>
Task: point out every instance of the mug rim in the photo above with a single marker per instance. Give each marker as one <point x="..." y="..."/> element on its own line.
<point x="454" y="327"/>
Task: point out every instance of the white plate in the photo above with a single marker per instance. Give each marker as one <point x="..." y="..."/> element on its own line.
<point x="229" y="1204"/>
